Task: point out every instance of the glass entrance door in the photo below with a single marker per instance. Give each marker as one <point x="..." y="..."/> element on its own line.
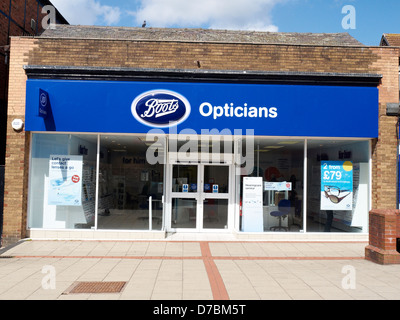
<point x="200" y="197"/>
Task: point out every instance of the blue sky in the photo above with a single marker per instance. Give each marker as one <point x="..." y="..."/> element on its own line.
<point x="372" y="17"/>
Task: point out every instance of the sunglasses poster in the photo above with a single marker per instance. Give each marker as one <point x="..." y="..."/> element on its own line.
<point x="336" y="185"/>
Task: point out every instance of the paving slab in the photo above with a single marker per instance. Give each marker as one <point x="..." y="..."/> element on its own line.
<point x="196" y="269"/>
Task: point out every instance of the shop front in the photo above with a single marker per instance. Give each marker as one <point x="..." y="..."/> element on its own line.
<point x="239" y="157"/>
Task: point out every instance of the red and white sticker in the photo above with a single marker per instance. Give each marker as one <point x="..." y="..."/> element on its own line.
<point x="75" y="178"/>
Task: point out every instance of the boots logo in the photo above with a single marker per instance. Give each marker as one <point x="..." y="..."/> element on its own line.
<point x="160" y="108"/>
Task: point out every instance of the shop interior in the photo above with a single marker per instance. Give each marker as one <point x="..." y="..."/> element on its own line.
<point x="356" y="218"/>
<point x="200" y="169"/>
<point x="129" y="184"/>
<point x="184" y="210"/>
<point x="280" y="164"/>
<point x="43" y="213"/>
<point x="282" y="161"/>
<point x="126" y="183"/>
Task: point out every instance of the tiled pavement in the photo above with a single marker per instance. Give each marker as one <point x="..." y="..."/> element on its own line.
<point x="196" y="270"/>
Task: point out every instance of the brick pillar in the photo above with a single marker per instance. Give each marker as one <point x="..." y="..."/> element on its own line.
<point x="17" y="147"/>
<point x="383" y="233"/>
<point x="382" y="219"/>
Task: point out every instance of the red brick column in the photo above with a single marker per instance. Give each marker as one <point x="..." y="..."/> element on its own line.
<point x="398" y="224"/>
<point x="383" y="233"/>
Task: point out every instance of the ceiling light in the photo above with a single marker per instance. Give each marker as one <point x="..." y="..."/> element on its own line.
<point x="273" y="147"/>
<point x="288" y="142"/>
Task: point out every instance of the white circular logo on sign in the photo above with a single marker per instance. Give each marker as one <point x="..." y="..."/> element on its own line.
<point x="160" y="108"/>
<point x="43" y="100"/>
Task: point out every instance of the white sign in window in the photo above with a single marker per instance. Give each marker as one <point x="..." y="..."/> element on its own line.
<point x="252" y="204"/>
<point x="65" y="180"/>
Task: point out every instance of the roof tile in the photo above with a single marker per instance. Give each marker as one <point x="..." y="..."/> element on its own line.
<point x="200" y="35"/>
<point x="393" y="39"/>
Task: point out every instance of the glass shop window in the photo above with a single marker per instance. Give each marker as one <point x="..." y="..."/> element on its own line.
<point x="62" y="181"/>
<point x="279" y="165"/>
<point x="129" y="184"/>
<point x="338" y="186"/>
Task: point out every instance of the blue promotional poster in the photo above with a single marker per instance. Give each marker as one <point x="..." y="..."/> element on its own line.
<point x="336" y="185"/>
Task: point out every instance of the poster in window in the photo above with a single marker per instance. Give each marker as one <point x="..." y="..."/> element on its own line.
<point x="252" y="204"/>
<point x="336" y="185"/>
<point x="65" y="180"/>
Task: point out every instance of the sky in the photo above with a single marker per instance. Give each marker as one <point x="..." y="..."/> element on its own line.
<point x="365" y="20"/>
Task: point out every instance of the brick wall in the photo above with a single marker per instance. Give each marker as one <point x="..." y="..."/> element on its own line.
<point x="184" y="55"/>
<point x="384" y="221"/>
<point x="17" y="148"/>
<point x="384" y="156"/>
<point x="180" y="55"/>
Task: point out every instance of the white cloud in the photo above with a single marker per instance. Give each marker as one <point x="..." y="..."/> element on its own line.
<point x="215" y="14"/>
<point x="87" y="12"/>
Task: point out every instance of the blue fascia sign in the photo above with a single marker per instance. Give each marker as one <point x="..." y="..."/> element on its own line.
<point x="268" y="109"/>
